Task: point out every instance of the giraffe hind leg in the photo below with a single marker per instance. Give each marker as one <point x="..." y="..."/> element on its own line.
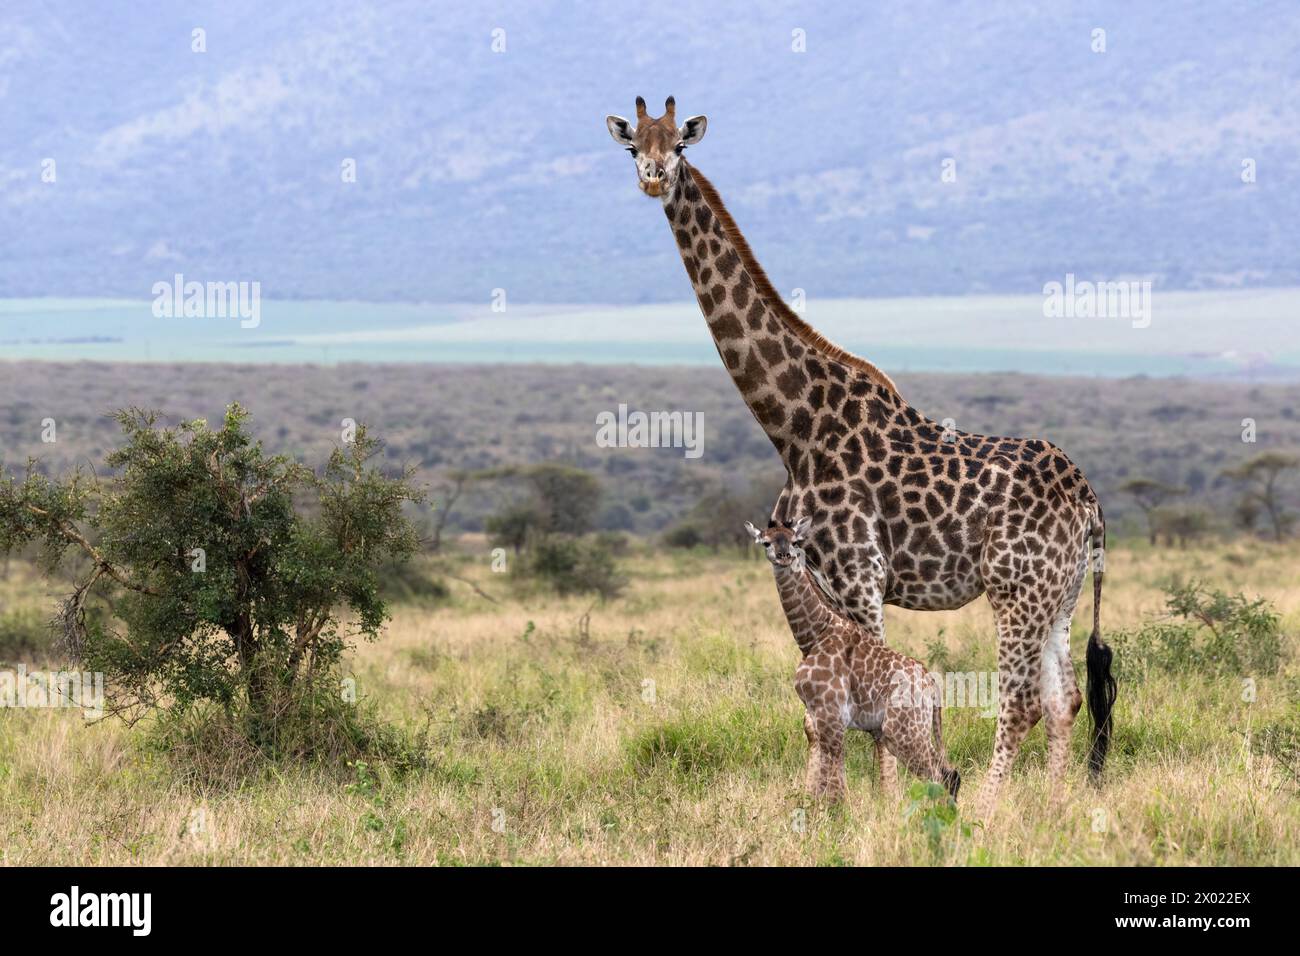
<point x="887" y="767"/>
<point x="1021" y="630"/>
<point x="908" y="733"/>
<point x="1059" y="687"/>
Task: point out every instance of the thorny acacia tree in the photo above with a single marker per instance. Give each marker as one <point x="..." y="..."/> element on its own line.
<point x="1151" y="495"/>
<point x="215" y="571"/>
<point x="1261" y="480"/>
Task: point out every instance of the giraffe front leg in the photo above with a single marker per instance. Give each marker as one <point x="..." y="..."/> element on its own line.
<point x="826" y="779"/>
<point x="832" y="783"/>
<point x="813" y="773"/>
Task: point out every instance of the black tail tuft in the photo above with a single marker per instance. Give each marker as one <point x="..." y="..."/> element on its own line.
<point x="1101" y="701"/>
<point x="1101" y="683"/>
<point x="952" y="780"/>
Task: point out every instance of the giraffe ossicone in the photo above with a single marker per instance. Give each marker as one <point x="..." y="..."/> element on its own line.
<point x="901" y="509"/>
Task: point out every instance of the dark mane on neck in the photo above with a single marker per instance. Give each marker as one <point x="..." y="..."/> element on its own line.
<point x="806" y="333"/>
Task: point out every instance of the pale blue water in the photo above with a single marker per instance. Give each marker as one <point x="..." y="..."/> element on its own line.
<point x="1210" y="335"/>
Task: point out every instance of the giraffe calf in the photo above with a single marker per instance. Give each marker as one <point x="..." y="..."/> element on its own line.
<point x="848" y="678"/>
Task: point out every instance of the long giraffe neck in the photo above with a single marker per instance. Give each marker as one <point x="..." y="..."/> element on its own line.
<point x="810" y="617"/>
<point x="785" y="370"/>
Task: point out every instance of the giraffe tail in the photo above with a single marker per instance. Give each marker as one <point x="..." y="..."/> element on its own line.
<point x="1101" y="683"/>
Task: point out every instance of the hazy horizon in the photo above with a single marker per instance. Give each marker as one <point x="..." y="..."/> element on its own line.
<point x="1240" y="334"/>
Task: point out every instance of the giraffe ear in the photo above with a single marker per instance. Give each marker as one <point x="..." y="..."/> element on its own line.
<point x="801" y="528"/>
<point x="620" y="129"/>
<point x="753" y="532"/>
<point x="692" y="131"/>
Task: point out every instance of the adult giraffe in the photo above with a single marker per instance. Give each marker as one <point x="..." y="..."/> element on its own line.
<point x="903" y="511"/>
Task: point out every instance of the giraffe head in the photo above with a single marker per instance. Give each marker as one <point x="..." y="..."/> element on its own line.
<point x="656" y="145"/>
<point x="782" y="543"/>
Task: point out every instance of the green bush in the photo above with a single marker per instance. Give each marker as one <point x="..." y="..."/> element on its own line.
<point x="683" y="536"/>
<point x="25" y="635"/>
<point x="207" y="746"/>
<point x="409" y="582"/>
<point x="615" y="542"/>
<point x="217" y="572"/>
<point x="1207" y="631"/>
<point x="1280" y="740"/>
<point x="575" y="566"/>
<point x="512" y="527"/>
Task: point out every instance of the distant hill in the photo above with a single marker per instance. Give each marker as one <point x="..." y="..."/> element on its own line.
<point x="478" y="170"/>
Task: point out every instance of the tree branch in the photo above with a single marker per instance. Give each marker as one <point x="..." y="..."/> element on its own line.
<point x="74" y="536"/>
<point x="477" y="590"/>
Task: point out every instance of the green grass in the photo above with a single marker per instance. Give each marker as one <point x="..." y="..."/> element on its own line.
<point x="667" y="731"/>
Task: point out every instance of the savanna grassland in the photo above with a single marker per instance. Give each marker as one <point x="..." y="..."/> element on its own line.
<point x="662" y="728"/>
<point x="440" y="418"/>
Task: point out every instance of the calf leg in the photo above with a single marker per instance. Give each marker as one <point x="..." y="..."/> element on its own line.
<point x="913" y="744"/>
<point x="826" y="757"/>
<point x="813" y="772"/>
<point x="887" y="768"/>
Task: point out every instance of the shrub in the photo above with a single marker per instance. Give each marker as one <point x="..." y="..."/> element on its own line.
<point x="615" y="542"/>
<point x="945" y="831"/>
<point x="410" y="582"/>
<point x="617" y="517"/>
<point x="217" y="572"/>
<point x="513" y="527"/>
<point x="576" y="566"/>
<point x="683" y="536"/>
<point x="1280" y="741"/>
<point x="206" y="746"/>
<point x="559" y="499"/>
<point x="1208" y="631"/>
<point x="25" y="635"/>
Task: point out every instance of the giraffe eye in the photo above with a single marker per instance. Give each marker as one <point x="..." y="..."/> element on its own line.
<point x="632" y="150"/>
<point x="679" y="148"/>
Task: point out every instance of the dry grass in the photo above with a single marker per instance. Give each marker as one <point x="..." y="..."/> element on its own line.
<point x="544" y="748"/>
